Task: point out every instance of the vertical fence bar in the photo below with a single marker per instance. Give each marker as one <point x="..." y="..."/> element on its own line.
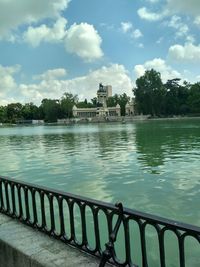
<point x="127" y="240"/>
<point x="52" y="214"/>
<point x="61" y="215"/>
<point x="1" y="196"/>
<point x="7" y="197"/>
<point x="83" y="224"/>
<point x="181" y="250"/>
<point x="96" y="229"/>
<point x="43" y="210"/>
<point x="35" y="218"/>
<point x="20" y="201"/>
<point x="27" y="204"/>
<point x="161" y="246"/>
<point x="143" y="243"/>
<point x="13" y="198"/>
<point x="71" y="215"/>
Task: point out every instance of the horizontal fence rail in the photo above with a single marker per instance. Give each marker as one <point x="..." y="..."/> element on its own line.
<point x="101" y="229"/>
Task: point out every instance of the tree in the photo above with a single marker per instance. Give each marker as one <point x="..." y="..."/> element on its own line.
<point x="150" y="93"/>
<point x="112" y="101"/>
<point x="122" y="100"/>
<point x="194" y="98"/>
<point x="94" y="101"/>
<point x="14" y="112"/>
<point x="176" y="100"/>
<point x="51" y="109"/>
<point x="2" y="114"/>
<point x="67" y="102"/>
<point x="84" y="104"/>
<point x="30" y="111"/>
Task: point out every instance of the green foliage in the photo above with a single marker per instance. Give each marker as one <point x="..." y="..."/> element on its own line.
<point x="194" y="98"/>
<point x="51" y="109"/>
<point x="151" y="97"/>
<point x="119" y="99"/>
<point x="149" y="93"/>
<point x="13" y="112"/>
<point x="84" y="104"/>
<point x="30" y="111"/>
<point x="67" y="102"/>
<point x="172" y="98"/>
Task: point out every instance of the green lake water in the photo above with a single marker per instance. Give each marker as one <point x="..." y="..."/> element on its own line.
<point x="152" y="166"/>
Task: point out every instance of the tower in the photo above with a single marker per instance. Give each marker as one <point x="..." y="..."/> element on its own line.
<point x="103" y="93"/>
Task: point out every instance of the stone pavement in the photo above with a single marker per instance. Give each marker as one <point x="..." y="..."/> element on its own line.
<point x="22" y="246"/>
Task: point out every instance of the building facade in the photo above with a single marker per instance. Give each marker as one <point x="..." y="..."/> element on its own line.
<point x="103" y="93"/>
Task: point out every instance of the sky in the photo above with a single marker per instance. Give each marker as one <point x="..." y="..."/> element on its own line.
<point x="50" y="47"/>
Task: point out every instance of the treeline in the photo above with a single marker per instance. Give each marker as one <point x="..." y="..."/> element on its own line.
<point x="156" y="98"/>
<point x="52" y="109"/>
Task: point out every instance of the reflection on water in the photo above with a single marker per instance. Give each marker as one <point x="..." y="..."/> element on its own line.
<point x="144" y="164"/>
<point x="152" y="166"/>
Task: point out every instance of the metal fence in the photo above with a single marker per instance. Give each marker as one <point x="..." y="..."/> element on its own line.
<point x="77" y="220"/>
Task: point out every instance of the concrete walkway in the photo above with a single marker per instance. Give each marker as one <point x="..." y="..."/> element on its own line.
<point x="22" y="246"/>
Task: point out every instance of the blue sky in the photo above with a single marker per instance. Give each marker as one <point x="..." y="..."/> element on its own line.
<point x="54" y="46"/>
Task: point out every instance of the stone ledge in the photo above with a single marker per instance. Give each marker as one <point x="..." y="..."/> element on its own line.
<point x="22" y="246"/>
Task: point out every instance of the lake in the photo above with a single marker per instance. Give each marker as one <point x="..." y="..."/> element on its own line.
<point x="152" y="166"/>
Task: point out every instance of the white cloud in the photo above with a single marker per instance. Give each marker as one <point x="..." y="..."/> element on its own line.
<point x="35" y="35"/>
<point x="187" y="53"/>
<point x="141" y="45"/>
<point x="167" y="72"/>
<point x="176" y="23"/>
<point x="170" y="8"/>
<point x="15" y="13"/>
<point x="197" y="20"/>
<point x="83" y="40"/>
<point x="145" y="14"/>
<point x="153" y="1"/>
<point x="52" y="86"/>
<point x="7" y="81"/>
<point x="51" y="74"/>
<point x="136" y="34"/>
<point x="126" y="26"/>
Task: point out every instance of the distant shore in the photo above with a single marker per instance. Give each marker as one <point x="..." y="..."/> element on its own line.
<point x="95" y="120"/>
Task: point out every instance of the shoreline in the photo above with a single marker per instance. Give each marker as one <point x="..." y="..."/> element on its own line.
<point x="103" y="120"/>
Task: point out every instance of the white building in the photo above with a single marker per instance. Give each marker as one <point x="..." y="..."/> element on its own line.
<point x="103" y="93"/>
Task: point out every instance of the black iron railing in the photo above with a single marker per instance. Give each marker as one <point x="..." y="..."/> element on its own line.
<point x="72" y="219"/>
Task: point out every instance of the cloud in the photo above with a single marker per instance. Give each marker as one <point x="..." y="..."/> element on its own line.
<point x="7" y="81"/>
<point x="115" y="75"/>
<point x="26" y="12"/>
<point x="167" y="72"/>
<point x="136" y="34"/>
<point x="171" y="7"/>
<point x="51" y="74"/>
<point x="83" y="40"/>
<point x="153" y="1"/>
<point x="52" y="85"/>
<point x="145" y="14"/>
<point x="197" y="20"/>
<point x="126" y="26"/>
<point x="80" y="39"/>
<point x="185" y="53"/>
<point x="176" y="23"/>
<point x="35" y="35"/>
